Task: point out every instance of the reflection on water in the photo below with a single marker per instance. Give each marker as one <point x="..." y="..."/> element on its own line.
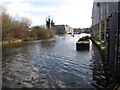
<point x="46" y="44"/>
<point x="51" y="63"/>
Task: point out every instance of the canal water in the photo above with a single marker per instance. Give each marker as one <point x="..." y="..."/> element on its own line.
<point x="52" y="63"/>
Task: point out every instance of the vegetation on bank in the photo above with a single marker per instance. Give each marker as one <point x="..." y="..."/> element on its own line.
<point x="18" y="29"/>
<point x="102" y="44"/>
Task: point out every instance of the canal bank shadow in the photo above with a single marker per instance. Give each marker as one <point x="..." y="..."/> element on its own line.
<point x="98" y="73"/>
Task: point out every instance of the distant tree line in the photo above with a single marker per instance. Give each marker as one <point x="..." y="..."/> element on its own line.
<point x="13" y="29"/>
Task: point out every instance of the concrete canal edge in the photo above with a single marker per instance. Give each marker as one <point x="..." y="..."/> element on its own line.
<point x="102" y="46"/>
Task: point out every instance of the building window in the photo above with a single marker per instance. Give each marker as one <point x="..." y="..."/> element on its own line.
<point x="98" y="4"/>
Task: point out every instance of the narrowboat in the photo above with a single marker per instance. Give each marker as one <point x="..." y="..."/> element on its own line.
<point x="83" y="43"/>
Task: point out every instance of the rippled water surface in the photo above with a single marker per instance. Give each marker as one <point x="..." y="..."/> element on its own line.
<point x="51" y="63"/>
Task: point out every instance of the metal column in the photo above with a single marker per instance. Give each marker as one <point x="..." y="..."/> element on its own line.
<point x="113" y="46"/>
<point x="118" y="44"/>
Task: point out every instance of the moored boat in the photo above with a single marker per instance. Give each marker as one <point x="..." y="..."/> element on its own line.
<point x="82" y="43"/>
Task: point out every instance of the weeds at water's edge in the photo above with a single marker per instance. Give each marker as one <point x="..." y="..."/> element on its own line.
<point x="21" y="40"/>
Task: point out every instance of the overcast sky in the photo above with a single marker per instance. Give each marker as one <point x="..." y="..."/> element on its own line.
<point x="76" y="13"/>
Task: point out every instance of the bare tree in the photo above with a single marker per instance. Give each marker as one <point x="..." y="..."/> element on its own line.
<point x="48" y="22"/>
<point x="14" y="29"/>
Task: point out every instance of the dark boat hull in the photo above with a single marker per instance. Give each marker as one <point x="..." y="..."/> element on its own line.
<point x="83" y="43"/>
<point x="81" y="46"/>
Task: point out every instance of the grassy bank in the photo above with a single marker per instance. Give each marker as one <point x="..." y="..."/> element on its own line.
<point x="22" y="40"/>
<point x="11" y="41"/>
